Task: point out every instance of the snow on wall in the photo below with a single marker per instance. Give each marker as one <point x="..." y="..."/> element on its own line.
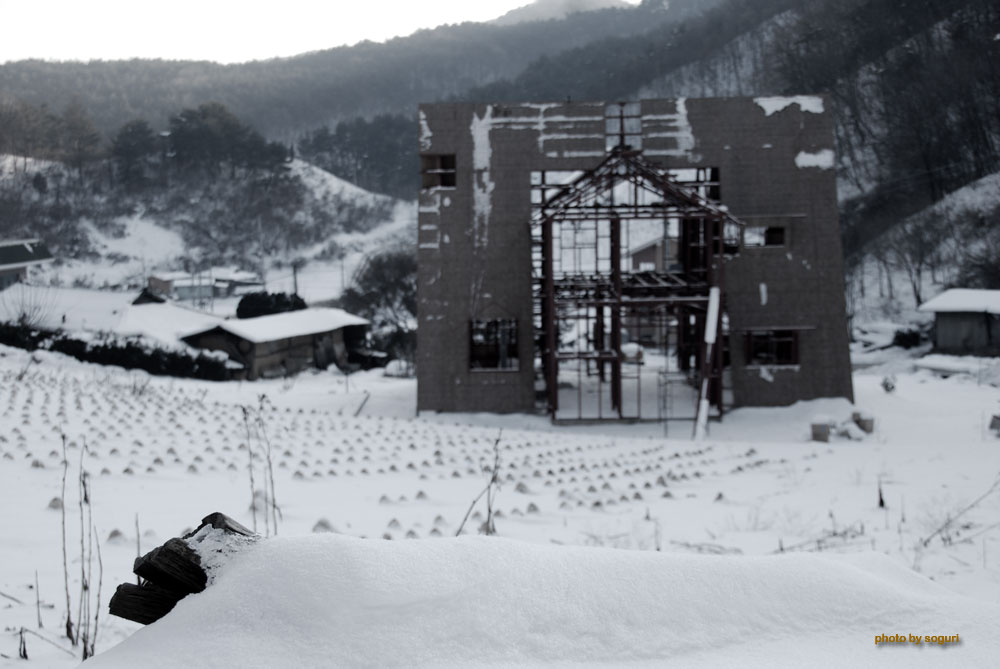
<point x="482" y="186"/>
<point x="425" y="133"/>
<point x="554" y="128"/>
<point x="681" y="132"/>
<point x="822" y="159"/>
<point x="807" y="103"/>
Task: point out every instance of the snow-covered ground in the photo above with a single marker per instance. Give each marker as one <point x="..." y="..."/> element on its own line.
<point x="350" y="455"/>
<point x="471" y="602"/>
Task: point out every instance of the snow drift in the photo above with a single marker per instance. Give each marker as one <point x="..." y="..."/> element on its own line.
<point x="330" y="600"/>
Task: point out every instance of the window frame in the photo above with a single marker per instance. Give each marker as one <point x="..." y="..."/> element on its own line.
<point x="772" y="340"/>
<point x="438" y="170"/>
<point x="491" y="333"/>
<point x="766" y="236"/>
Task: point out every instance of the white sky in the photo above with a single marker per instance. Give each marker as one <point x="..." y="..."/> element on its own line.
<point x="226" y="31"/>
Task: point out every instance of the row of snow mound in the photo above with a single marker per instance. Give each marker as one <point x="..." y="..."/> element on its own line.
<point x="331" y="600"/>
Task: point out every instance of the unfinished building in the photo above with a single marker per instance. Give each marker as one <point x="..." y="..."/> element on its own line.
<point x="653" y="260"/>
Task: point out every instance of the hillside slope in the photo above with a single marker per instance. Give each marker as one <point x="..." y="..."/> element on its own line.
<point x="113" y="236"/>
<point x="284" y="96"/>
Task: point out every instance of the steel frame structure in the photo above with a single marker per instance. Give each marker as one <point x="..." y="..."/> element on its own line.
<point x="580" y="230"/>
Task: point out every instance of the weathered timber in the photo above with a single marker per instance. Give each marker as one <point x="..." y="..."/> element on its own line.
<point x="221" y="521"/>
<point x="143" y="604"/>
<point x="171" y="572"/>
<point x="174" y="566"/>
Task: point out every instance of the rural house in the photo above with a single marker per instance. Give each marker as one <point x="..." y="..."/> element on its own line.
<point x="17" y="256"/>
<point x="281" y="344"/>
<point x="203" y="285"/>
<point x="966" y="321"/>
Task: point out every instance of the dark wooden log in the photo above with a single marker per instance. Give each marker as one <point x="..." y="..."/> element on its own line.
<point x="171" y="572"/>
<point x="173" y="566"/>
<point x="143" y="604"/>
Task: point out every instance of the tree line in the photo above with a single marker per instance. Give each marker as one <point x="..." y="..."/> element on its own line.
<point x="379" y="155"/>
<point x="207" y="138"/>
<point x="233" y="196"/>
<point x="285" y="96"/>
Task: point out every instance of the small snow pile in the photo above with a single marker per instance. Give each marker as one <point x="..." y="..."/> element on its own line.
<point x="983" y="369"/>
<point x="330" y="600"/>
<point x="216" y="547"/>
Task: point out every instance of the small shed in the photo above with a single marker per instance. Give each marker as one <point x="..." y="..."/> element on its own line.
<point x="282" y="344"/>
<point x="966" y="321"/>
<point x="204" y="285"/>
<point x="17" y="255"/>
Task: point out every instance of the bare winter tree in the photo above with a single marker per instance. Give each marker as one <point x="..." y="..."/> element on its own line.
<point x="913" y="247"/>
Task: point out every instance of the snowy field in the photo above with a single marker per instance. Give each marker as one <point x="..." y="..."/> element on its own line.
<point x="350" y="457"/>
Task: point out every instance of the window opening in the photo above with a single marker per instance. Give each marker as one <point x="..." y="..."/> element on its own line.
<point x="772" y="347"/>
<point x="756" y="236"/>
<point x="437" y="171"/>
<point x="493" y="344"/>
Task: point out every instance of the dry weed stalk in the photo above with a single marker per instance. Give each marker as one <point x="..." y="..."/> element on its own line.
<point x="62" y="510"/>
<point x="85" y="630"/>
<point x="491" y="489"/>
<point x="256" y="430"/>
<point x="944" y="530"/>
<point x="253" y="492"/>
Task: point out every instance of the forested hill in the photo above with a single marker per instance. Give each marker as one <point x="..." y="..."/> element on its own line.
<point x="283" y="96"/>
<point x="915" y="87"/>
<point x="211" y="192"/>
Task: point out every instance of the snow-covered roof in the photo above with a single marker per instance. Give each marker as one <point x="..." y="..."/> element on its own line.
<point x="189" y="282"/>
<point x="166" y="322"/>
<point x="223" y="275"/>
<point x="288" y="324"/>
<point x="170" y="276"/>
<point x="964" y="300"/>
<point x="232" y="274"/>
<point x="22" y="253"/>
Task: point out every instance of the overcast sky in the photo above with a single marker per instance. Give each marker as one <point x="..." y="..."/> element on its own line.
<point x="226" y="31"/>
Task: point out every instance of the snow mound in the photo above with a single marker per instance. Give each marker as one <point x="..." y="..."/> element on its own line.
<point x="330" y="600"/>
